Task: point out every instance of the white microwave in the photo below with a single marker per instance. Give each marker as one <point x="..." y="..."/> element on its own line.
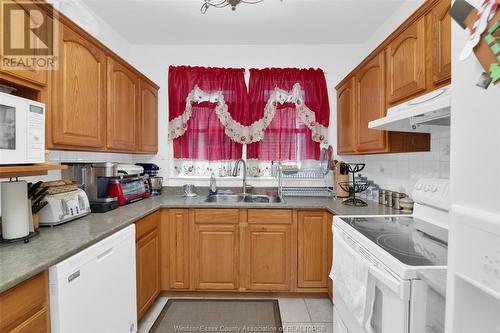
<point x="22" y="130"/>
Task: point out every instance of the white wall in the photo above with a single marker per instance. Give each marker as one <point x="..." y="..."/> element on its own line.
<point x="153" y="61"/>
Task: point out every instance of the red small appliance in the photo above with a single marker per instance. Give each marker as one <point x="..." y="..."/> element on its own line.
<point x="128" y="189"/>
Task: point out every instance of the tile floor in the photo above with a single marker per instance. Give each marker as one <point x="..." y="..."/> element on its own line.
<point x="299" y="315"/>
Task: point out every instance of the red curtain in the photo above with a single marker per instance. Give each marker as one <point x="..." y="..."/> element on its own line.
<point x="287" y="138"/>
<point x="205" y="138"/>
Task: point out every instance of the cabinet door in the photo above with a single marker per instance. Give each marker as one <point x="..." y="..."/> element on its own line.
<point x="370" y="104"/>
<point x="24" y="308"/>
<point x="122" y="114"/>
<point x="216" y="256"/>
<point x="78" y="112"/>
<point x="441" y="42"/>
<point x="346" y="117"/>
<point x="178" y="254"/>
<point x="406" y="63"/>
<point x="148" y="132"/>
<point x="148" y="265"/>
<point x="268" y="256"/>
<point x="312" y="268"/>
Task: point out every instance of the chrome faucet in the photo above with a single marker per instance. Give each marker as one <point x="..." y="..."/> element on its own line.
<point x="235" y="173"/>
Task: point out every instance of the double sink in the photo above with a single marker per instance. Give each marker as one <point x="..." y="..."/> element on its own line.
<point x="250" y="198"/>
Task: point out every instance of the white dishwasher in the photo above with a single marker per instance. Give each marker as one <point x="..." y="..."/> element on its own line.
<point x="94" y="291"/>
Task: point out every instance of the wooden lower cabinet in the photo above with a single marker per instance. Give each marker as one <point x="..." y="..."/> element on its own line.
<point x="25" y="308"/>
<point x="268" y="250"/>
<point x="215" y="254"/>
<point x="254" y="250"/>
<point x="313" y="247"/>
<point x="216" y="257"/>
<point x="176" y="249"/>
<point x="268" y="257"/>
<point x="147" y="262"/>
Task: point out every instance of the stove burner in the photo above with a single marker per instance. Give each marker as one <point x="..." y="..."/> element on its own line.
<point x="395" y="244"/>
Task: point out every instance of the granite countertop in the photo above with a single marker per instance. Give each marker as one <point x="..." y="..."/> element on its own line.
<point x="20" y="261"/>
<point x="435" y="278"/>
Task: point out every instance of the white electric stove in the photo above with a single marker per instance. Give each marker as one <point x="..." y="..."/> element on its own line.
<point x="394" y="249"/>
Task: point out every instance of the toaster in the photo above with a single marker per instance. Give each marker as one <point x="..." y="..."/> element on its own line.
<point x="64" y="207"/>
<point x="128" y="189"/>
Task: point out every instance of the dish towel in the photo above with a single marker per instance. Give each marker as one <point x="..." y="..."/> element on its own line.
<point x="353" y="281"/>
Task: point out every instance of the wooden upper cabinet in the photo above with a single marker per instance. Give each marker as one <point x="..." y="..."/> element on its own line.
<point x="148" y="106"/>
<point x="147" y="261"/>
<point x="346" y="117"/>
<point x="370" y="98"/>
<point x="78" y="110"/>
<point x="406" y="63"/>
<point x="313" y="249"/>
<point x="122" y="107"/>
<point x="440" y="27"/>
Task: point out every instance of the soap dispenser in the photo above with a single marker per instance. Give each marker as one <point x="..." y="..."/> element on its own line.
<point x="213" y="185"/>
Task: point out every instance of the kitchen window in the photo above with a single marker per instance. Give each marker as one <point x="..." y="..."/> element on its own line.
<point x="283" y="117"/>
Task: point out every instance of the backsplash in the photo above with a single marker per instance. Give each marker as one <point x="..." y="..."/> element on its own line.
<point x="400" y="172"/>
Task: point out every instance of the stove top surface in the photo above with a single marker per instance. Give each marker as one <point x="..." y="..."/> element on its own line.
<point x="412" y="241"/>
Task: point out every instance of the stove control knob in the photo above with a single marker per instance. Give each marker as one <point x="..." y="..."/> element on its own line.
<point x="434" y="188"/>
<point x="419" y="186"/>
<point x="427" y="188"/>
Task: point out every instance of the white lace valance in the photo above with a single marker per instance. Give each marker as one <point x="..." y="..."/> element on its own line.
<point x="255" y="132"/>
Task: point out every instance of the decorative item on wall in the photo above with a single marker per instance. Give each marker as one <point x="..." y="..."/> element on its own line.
<point x="484" y="40"/>
<point x="224" y="3"/>
<point x="492" y="38"/>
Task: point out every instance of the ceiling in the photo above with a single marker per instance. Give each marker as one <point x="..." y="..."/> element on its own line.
<point x="269" y="22"/>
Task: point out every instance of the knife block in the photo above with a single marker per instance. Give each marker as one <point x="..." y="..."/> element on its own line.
<point x="36" y="221"/>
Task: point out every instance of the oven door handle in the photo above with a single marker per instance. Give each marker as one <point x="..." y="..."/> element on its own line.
<point x="397" y="286"/>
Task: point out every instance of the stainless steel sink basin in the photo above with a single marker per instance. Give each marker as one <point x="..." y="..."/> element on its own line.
<point x="262" y="199"/>
<point x="235" y="198"/>
<point x="225" y="198"/>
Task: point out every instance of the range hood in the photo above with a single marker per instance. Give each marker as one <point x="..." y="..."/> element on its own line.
<point x="418" y="115"/>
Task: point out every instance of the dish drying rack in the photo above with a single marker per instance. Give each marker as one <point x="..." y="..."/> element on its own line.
<point x="286" y="174"/>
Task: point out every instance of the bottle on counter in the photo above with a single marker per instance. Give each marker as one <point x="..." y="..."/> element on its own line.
<point x="373" y="192"/>
<point x="213" y="185"/>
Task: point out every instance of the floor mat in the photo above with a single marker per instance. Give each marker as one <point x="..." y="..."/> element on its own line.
<point x="218" y="316"/>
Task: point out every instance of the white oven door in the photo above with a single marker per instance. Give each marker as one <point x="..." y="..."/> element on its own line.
<point x="390" y="306"/>
<point x="428" y="309"/>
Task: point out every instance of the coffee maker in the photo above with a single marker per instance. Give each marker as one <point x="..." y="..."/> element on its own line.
<point x="94" y="179"/>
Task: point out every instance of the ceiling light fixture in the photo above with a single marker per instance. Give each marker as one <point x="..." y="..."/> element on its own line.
<point x="224" y="3"/>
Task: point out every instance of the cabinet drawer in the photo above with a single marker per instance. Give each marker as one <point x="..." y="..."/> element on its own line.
<point x="38" y="323"/>
<point x="270" y="216"/>
<point x="146" y="224"/>
<point x="23" y="301"/>
<point x="216" y="215"/>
